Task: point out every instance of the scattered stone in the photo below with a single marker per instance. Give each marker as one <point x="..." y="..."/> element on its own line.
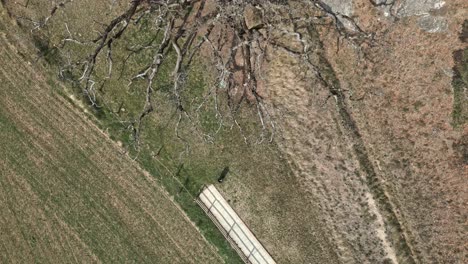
<point x="344" y="7"/>
<point x="433" y="24"/>
<point x="253" y="17"/>
<point x="382" y="2"/>
<point x="449" y="72"/>
<point x="341" y="7"/>
<point x="419" y="7"/>
<point x="287" y="41"/>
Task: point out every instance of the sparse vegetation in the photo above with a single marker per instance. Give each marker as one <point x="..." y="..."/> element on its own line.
<point x="67" y="193"/>
<point x="460" y="88"/>
<point x="325" y="120"/>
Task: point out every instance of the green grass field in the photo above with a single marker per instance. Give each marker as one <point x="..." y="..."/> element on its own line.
<point x="183" y="164"/>
<point x="67" y="193"/>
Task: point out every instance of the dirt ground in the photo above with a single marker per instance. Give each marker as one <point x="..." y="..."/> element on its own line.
<point x="398" y="90"/>
<point x="401" y="97"/>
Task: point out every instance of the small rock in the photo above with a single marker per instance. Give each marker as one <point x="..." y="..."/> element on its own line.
<point x="340" y="7"/>
<point x="449" y="72"/>
<point x="343" y="7"/>
<point x="433" y="24"/>
<point x="381" y="2"/>
<point x="253" y="17"/>
<point x="418" y="7"/>
<point x="288" y="41"/>
<point x="264" y="32"/>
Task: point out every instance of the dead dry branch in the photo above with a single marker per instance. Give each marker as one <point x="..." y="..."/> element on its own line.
<point x="237" y="51"/>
